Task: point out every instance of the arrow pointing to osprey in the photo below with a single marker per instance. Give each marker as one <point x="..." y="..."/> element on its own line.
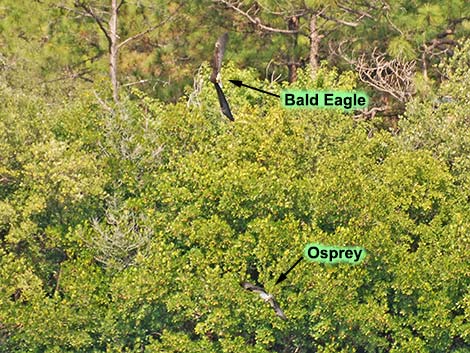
<point x="283" y="276"/>
<point x="240" y="84"/>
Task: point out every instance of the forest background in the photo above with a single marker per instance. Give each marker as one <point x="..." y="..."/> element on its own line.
<point x="131" y="208"/>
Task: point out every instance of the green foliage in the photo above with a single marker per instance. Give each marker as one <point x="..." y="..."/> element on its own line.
<point x="399" y="47"/>
<point x="440" y="124"/>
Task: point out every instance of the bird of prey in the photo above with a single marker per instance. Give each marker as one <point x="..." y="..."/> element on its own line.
<point x="215" y="76"/>
<point x="268" y="298"/>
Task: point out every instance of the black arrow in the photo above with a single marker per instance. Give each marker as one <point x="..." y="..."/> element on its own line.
<point x="283" y="276"/>
<point x="240" y="83"/>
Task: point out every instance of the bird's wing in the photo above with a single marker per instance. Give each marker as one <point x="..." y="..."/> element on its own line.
<point x="277" y="309"/>
<point x="216" y="66"/>
<point x="218" y="56"/>
<point x="252" y="287"/>
<point x="271" y="300"/>
<point x="223" y="102"/>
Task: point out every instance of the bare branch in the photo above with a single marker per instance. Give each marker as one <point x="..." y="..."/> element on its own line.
<point x="273" y="77"/>
<point x="360" y="13"/>
<point x="337" y="49"/>
<point x="103" y="104"/>
<point x="337" y="20"/>
<point x="72" y="75"/>
<point x="120" y="235"/>
<point x="148" y="30"/>
<point x="255" y="20"/>
<point x="75" y="11"/>
<point x="393" y="25"/>
<point x="197" y="88"/>
<point x="394" y="77"/>
<point x="369" y="113"/>
<point x="97" y="19"/>
<point x="295" y="13"/>
<point x="134" y="83"/>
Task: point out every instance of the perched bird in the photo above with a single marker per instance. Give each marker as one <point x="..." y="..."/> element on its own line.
<point x="215" y="76"/>
<point x="268" y="298"/>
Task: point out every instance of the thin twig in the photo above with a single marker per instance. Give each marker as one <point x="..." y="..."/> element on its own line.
<point x="148" y="30"/>
<point x="256" y="21"/>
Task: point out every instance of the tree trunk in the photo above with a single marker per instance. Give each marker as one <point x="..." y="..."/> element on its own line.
<point x="425" y="64"/>
<point x="113" y="50"/>
<point x="292" y="67"/>
<point x="293" y="25"/>
<point x="314" y="44"/>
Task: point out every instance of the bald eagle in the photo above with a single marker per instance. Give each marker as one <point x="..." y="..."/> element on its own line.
<point x="215" y="76"/>
<point x="268" y="298"/>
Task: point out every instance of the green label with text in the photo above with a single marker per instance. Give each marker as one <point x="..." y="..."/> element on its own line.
<point x="346" y="100"/>
<point x="334" y="254"/>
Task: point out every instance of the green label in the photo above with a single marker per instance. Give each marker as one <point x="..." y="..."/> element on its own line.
<point x="346" y="100"/>
<point x="334" y="254"/>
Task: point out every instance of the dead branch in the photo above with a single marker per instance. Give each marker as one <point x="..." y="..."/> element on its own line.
<point x="99" y="21"/>
<point x="254" y="20"/>
<point x="370" y="113"/>
<point x="72" y="75"/>
<point x="120" y="236"/>
<point x="134" y="83"/>
<point x="359" y="13"/>
<point x="394" y="77"/>
<point x="338" y="20"/>
<point x="150" y="29"/>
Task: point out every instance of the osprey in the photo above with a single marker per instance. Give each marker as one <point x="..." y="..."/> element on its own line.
<point x="215" y="76"/>
<point x="268" y="298"/>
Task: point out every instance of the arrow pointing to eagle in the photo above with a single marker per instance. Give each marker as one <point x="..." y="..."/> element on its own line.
<point x="240" y="84"/>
